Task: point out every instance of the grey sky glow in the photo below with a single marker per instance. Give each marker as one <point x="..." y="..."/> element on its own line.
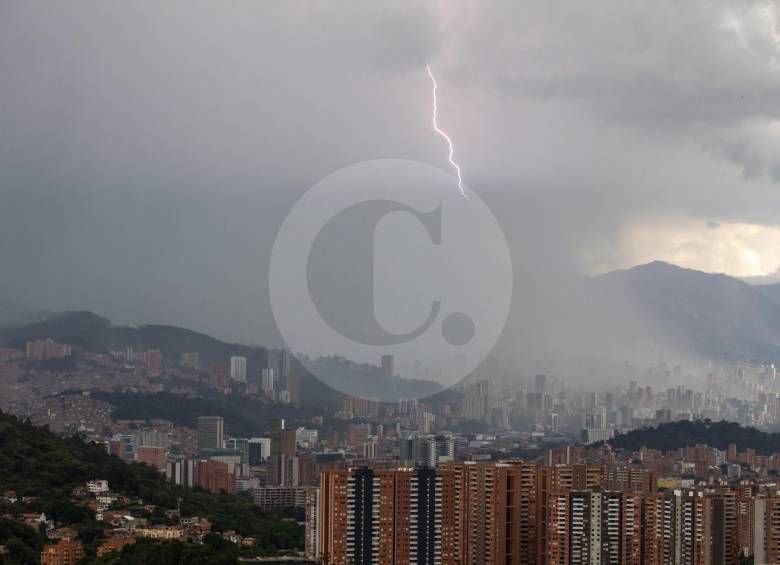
<point x="150" y="151"/>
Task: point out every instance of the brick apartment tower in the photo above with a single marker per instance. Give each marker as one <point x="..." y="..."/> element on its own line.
<point x="382" y="517"/>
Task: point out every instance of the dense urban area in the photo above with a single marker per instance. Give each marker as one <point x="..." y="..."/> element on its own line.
<point x="123" y="451"/>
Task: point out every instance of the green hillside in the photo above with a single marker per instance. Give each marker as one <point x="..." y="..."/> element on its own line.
<point x="720" y="435"/>
<point x="36" y="462"/>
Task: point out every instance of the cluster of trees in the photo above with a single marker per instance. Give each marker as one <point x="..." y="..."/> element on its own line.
<point x="244" y="416"/>
<point x="36" y="462"/>
<point x="714" y="434"/>
<point x="173" y="553"/>
<point x="22" y="543"/>
<point x="214" y="551"/>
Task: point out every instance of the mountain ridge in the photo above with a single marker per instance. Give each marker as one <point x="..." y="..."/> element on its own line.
<point x="87" y="331"/>
<point x="711" y="314"/>
<point x="657" y="307"/>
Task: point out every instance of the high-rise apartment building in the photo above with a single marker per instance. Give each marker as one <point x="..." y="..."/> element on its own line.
<point x="357" y="434"/>
<point x="594" y="528"/>
<point x="382" y="517"/>
<point x="517" y="513"/>
<point x="766" y="543"/>
<point x="698" y="527"/>
<point x="153" y="362"/>
<point x="496" y="515"/>
<point x="47" y="349"/>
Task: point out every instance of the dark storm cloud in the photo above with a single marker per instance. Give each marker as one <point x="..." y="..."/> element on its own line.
<point x="638" y="62"/>
<point x="149" y="152"/>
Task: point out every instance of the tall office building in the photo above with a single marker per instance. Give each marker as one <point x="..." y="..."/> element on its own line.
<point x="279" y="361"/>
<point x="268" y="381"/>
<point x="238" y="369"/>
<point x="211" y="432"/>
<point x="284" y="363"/>
<point x="282" y="471"/>
<point x="241" y="445"/>
<point x="427" y="450"/>
<point x="294" y="386"/>
<point x="259" y="449"/>
<point x="388" y="366"/>
<point x="540" y="384"/>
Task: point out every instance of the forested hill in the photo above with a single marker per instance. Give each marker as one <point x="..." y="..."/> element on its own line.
<point x="35" y="462"/>
<point x="714" y="434"/>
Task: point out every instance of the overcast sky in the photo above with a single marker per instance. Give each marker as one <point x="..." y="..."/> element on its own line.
<point x="149" y="151"/>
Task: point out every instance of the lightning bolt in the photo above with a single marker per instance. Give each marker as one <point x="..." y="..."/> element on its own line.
<point x="442" y="133"/>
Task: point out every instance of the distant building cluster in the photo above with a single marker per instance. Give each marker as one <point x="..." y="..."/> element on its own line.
<point x="40" y="349"/>
<point x="453" y="479"/>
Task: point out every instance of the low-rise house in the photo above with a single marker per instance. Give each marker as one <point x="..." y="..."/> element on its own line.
<point x="130" y="523"/>
<point x="66" y="533"/>
<point x="113" y="517"/>
<point x="106" y="499"/>
<point x="195" y="528"/>
<point x="161" y="532"/>
<point x="35" y="520"/>
<point x="232" y="536"/>
<point x="79" y="492"/>
<point x="115" y="543"/>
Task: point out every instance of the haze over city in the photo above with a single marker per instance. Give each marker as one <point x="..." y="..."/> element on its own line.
<point x="141" y="168"/>
<point x="390" y="283"/>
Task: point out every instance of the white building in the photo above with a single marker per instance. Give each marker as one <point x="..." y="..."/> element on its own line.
<point x="238" y="369"/>
<point x="268" y="381"/>
<point x="259" y="450"/>
<point x="99" y="486"/>
<point x="427" y="450"/>
<point x="243" y="484"/>
<point x="306" y="438"/>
